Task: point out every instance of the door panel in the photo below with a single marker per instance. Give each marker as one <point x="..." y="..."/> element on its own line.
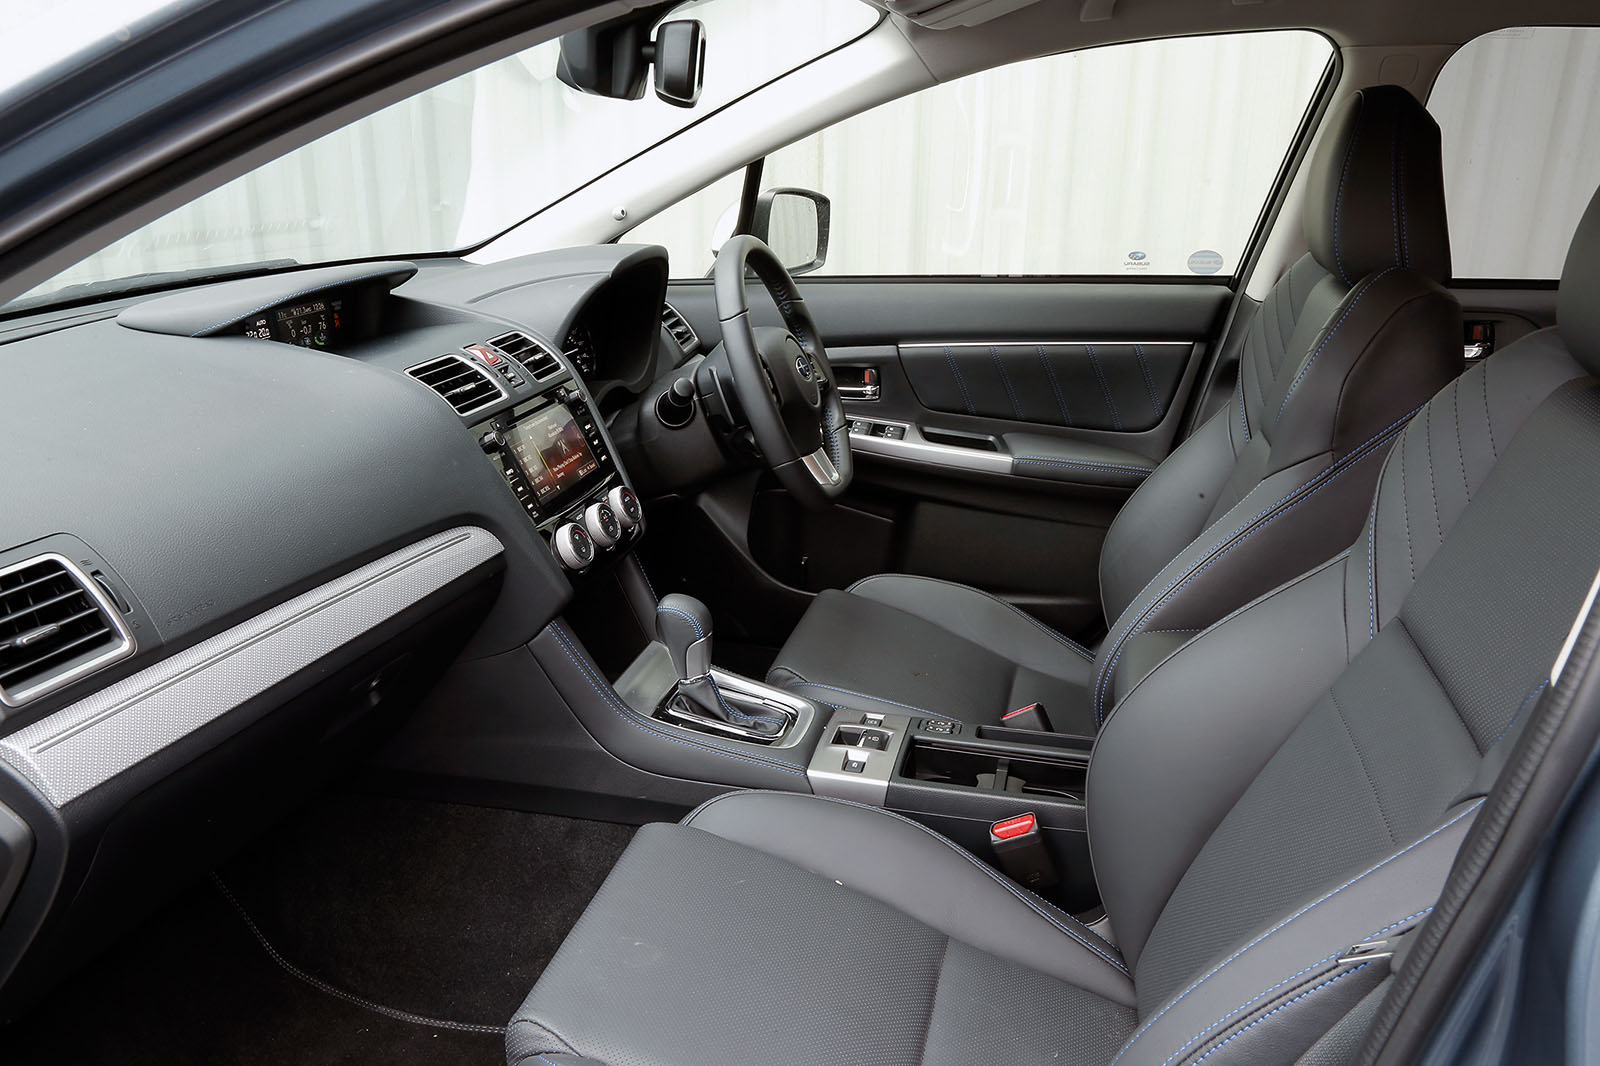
<point x="1092" y="386"/>
<point x="1012" y="419"/>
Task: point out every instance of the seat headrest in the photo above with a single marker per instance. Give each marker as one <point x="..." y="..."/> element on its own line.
<point x="1578" y="302"/>
<point x="1375" y="195"/>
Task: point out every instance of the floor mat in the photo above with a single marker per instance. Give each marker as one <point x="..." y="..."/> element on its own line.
<point x="444" y="911"/>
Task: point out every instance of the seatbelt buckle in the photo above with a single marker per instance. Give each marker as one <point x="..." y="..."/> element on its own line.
<point x="1018" y="847"/>
<point x="1030" y="717"/>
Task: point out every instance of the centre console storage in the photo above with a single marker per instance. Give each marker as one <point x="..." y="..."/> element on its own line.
<point x="961" y="780"/>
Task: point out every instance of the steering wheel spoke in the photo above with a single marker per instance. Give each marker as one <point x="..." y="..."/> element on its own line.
<point x="784" y="380"/>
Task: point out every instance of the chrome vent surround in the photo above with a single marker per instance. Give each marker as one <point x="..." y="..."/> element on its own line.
<point x="464" y="385"/>
<point x="57" y="625"/>
<point x="679" y="327"/>
<point x="539" y="361"/>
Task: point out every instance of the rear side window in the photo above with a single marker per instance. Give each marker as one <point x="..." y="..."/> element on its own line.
<point x="1519" y="110"/>
<point x="1150" y="159"/>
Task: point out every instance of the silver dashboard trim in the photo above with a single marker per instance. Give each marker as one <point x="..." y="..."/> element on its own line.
<point x="82" y="746"/>
<point x="914" y="447"/>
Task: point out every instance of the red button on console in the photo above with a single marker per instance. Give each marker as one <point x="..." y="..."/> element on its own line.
<point x="1012" y="827"/>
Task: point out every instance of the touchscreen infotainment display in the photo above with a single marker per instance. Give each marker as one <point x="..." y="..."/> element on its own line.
<point x="550" y="449"/>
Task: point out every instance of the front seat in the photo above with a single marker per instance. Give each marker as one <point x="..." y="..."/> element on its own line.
<point x="1295" y="781"/>
<point x="1348" y="344"/>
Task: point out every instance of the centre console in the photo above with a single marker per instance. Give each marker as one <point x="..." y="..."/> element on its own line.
<point x="555" y="457"/>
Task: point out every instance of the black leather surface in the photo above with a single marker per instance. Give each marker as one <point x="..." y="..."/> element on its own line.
<point x="916" y="645"/>
<point x="1272" y="793"/>
<point x="1122" y="387"/>
<point x="1331" y="369"/>
<point x="1375" y="198"/>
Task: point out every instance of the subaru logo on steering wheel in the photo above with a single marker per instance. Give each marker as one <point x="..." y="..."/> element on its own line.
<point x="802" y="364"/>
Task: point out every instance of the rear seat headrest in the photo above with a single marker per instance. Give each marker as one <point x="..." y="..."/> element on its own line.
<point x="1375" y="195"/>
<point x="1578" y="303"/>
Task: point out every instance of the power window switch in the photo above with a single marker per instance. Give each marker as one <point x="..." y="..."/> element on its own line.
<point x="852" y="765"/>
<point x="894" y="432"/>
<point x="861" y="427"/>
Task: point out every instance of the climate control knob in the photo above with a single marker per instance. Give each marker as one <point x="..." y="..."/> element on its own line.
<point x="626" y="505"/>
<point x="573" y="547"/>
<point x="602" y="523"/>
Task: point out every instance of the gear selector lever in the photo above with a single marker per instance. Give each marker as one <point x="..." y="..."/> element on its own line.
<point x="683" y="624"/>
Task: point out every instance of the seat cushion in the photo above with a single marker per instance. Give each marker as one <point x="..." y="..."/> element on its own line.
<point x="778" y="928"/>
<point x="901" y="643"/>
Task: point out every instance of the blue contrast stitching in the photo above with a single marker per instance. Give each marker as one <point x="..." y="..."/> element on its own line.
<point x="1264" y="993"/>
<point x="1280" y="1007"/>
<point x="878" y="699"/>
<point x="1121" y="468"/>
<point x="1244" y="417"/>
<point x="1149" y="380"/>
<point x="769" y="719"/>
<point x="1055" y="387"/>
<point x="293" y="295"/>
<point x="1250" y="527"/>
<point x="647" y="582"/>
<point x="1338" y="200"/>
<point x="1531" y="697"/>
<point x="1033" y="902"/>
<point x="629" y="714"/>
<point x="1005" y="379"/>
<point x="1105" y="387"/>
<point x="1297" y="914"/>
<point x="1394" y="180"/>
<point x="1405" y="237"/>
<point x="1305" y="367"/>
<point x="961" y="383"/>
<point x="1071" y="644"/>
<point x="698" y="632"/>
<point x="1372" y="560"/>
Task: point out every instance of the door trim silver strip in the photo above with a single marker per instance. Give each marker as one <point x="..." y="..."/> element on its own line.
<point x="916" y="448"/>
<point x="1044" y="344"/>
<point x="82" y="746"/>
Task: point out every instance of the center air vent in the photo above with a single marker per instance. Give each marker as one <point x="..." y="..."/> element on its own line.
<point x="679" y="327"/>
<point x="540" y="361"/>
<point x="55" y="627"/>
<point x="463" y="385"/>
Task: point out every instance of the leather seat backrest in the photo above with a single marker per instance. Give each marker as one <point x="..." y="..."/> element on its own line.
<point x="1298" y="778"/>
<point x="1321" y="366"/>
<point x="1349" y="343"/>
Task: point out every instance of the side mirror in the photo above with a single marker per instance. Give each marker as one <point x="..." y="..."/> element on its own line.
<point x="614" y="59"/>
<point x="794" y="223"/>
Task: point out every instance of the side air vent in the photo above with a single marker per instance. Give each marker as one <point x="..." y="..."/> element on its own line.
<point x="679" y="327"/>
<point x="56" y="625"/>
<point x="540" y="361"/>
<point x="463" y="385"/>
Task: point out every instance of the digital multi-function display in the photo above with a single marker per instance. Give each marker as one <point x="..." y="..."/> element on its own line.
<point x="316" y="324"/>
<point x="550" y="449"/>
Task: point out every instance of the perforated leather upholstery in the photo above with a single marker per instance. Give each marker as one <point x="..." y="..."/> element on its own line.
<point x="1348" y="344"/>
<point x="1295" y="780"/>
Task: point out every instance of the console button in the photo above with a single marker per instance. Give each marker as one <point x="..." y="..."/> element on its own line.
<point x="573" y="547"/>
<point x="602" y="523"/>
<point x="626" y="506"/>
<point x="854" y="766"/>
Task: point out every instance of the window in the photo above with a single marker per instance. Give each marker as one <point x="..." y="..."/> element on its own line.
<point x="1521" y="135"/>
<point x="463" y="161"/>
<point x="1153" y="158"/>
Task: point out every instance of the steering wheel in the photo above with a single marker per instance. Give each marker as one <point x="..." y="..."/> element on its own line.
<point x="783" y="377"/>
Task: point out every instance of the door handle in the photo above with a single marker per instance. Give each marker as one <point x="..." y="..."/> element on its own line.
<point x="857" y="382"/>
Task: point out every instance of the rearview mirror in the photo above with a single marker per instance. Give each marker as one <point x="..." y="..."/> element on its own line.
<point x="794" y="224"/>
<point x="614" y="59"/>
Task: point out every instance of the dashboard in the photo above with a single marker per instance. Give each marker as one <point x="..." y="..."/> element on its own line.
<point x="382" y="467"/>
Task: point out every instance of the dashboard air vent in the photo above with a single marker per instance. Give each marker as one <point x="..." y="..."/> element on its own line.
<point x="463" y="385"/>
<point x="540" y="361"/>
<point x="679" y="327"/>
<point x="55" y="627"/>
